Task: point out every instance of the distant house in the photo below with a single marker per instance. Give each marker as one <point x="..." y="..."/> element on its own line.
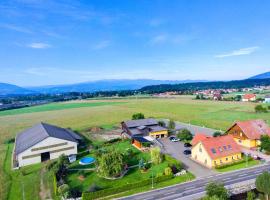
<point x="248" y="133"/>
<point x="143" y="127"/>
<point x="267" y="99"/>
<point x="215" y="151"/>
<point x="249" y="97"/>
<point x="217" y="96"/>
<point x="43" y="142"/>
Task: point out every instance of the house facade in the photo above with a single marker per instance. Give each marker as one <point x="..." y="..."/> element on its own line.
<point x="267" y="99"/>
<point x="248" y="133"/>
<point x="248" y="97"/>
<point x="43" y="142"/>
<point x="215" y="151"/>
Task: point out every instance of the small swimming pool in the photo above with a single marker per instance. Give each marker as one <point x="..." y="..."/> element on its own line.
<point x="87" y="161"/>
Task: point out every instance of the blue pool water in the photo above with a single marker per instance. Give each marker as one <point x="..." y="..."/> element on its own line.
<point x="87" y="161"/>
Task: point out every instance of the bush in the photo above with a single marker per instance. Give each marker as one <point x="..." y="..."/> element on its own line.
<point x="171" y="124"/>
<point x="233" y="163"/>
<point x="9" y="141"/>
<point x="129" y="186"/>
<point x="260" y="109"/>
<point x="217" y="133"/>
<point x="172" y="162"/>
<point x="168" y="171"/>
<point x="94" y="188"/>
<point x="137" y="116"/>
<point x="63" y="190"/>
<point x="184" y="134"/>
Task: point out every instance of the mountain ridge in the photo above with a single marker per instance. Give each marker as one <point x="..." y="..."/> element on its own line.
<point x="261" y="76"/>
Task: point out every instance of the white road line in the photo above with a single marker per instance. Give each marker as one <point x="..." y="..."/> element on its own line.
<point x="188" y="188"/>
<point x="169" y="193"/>
<point x="242" y="175"/>
<point x="225" y="179"/>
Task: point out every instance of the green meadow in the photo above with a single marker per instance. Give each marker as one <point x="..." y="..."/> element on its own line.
<point x="81" y="115"/>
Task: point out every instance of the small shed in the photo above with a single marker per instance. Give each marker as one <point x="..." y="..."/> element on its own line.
<point x="141" y="142"/>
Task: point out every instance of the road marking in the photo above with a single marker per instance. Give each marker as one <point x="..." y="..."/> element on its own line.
<point x="242" y="175"/>
<point x="170" y="193"/>
<point x="225" y="179"/>
<point x="192" y="187"/>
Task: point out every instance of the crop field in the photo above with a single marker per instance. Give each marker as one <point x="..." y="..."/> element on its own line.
<point x="82" y="115"/>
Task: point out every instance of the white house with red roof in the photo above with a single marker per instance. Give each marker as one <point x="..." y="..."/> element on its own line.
<point x="215" y="151"/>
<point x="249" y="97"/>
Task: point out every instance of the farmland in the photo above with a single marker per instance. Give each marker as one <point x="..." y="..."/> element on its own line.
<point x="85" y="114"/>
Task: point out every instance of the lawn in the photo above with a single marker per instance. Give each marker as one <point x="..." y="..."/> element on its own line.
<point x="238" y="166"/>
<point x="91" y="177"/>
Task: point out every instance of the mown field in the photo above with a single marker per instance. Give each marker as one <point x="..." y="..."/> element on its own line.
<point x="83" y="115"/>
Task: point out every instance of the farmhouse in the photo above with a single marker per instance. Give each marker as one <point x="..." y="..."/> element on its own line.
<point x="43" y="142"/>
<point x="143" y="127"/>
<point x="249" y="97"/>
<point x="248" y="133"/>
<point x="215" y="151"/>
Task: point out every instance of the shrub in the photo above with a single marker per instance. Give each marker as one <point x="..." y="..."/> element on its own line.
<point x="218" y="190"/>
<point x="234" y="163"/>
<point x="63" y="190"/>
<point x="184" y="134"/>
<point x="260" y="109"/>
<point x="137" y="116"/>
<point x="168" y="171"/>
<point x="217" y="133"/>
<point x="172" y="162"/>
<point x="171" y="124"/>
<point x="94" y="188"/>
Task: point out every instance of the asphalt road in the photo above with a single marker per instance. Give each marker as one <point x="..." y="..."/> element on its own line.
<point x="196" y="189"/>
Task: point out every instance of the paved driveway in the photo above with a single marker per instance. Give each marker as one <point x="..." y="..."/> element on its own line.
<point x="176" y="149"/>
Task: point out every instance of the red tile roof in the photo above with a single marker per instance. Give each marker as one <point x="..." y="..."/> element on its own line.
<point x="249" y="96"/>
<point x="217" y="147"/>
<point x="253" y="129"/>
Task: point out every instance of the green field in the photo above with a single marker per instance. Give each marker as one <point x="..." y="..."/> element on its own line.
<point x="54" y="106"/>
<point x="82" y="115"/>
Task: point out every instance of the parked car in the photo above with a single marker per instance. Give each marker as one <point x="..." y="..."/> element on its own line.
<point x="174" y="139"/>
<point x="187" y="145"/>
<point x="187" y="152"/>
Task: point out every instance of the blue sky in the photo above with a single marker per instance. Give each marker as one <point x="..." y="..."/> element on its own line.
<point x="47" y="42"/>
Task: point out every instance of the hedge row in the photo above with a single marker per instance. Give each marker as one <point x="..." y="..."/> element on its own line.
<point x="234" y="163"/>
<point x="111" y="191"/>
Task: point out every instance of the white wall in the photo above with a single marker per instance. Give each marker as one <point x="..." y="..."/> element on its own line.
<point x="47" y="142"/>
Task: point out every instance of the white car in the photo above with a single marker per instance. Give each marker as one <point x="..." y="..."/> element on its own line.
<point x="174" y="139"/>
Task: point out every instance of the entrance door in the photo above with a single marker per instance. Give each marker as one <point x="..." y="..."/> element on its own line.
<point x="45" y="156"/>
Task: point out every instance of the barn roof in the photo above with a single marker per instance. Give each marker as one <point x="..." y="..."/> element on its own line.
<point x="39" y="132"/>
<point x="141" y="122"/>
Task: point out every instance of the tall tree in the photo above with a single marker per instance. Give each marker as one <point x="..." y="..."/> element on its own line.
<point x="110" y="164"/>
<point x="263" y="184"/>
<point x="218" y="190"/>
<point x="171" y="124"/>
<point x="156" y="155"/>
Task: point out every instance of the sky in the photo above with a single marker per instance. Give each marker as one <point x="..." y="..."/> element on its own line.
<point x="49" y="42"/>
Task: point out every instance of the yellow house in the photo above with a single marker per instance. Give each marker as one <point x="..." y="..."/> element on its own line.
<point x="215" y="151"/>
<point x="248" y="133"/>
<point x="143" y="127"/>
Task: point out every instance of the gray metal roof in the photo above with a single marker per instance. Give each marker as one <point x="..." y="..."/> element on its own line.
<point x="141" y="122"/>
<point x="39" y="132"/>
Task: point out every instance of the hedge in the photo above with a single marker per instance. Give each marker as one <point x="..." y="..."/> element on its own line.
<point x="234" y="163"/>
<point x="54" y="184"/>
<point x="111" y="191"/>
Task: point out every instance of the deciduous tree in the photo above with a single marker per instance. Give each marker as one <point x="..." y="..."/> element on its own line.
<point x="218" y="190"/>
<point x="137" y="116"/>
<point x="156" y="156"/>
<point x="263" y="184"/>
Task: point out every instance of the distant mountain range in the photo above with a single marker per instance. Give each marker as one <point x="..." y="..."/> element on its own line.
<point x="9" y="89"/>
<point x="261" y="76"/>
<point x="102" y="85"/>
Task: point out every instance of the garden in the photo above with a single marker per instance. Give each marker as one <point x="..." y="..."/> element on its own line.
<point x="118" y="168"/>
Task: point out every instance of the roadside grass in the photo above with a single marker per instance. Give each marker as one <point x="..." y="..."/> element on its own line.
<point x="238" y="166"/>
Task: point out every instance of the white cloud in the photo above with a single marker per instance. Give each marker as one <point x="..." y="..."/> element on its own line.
<point x="39" y="45"/>
<point x="102" y="45"/>
<point x="15" y="28"/>
<point x="159" y="39"/>
<point x="239" y="52"/>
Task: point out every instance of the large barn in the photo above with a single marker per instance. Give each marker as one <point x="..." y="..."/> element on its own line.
<point x="43" y="142"/>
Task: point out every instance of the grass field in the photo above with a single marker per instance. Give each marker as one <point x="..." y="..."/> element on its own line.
<point x="82" y="115"/>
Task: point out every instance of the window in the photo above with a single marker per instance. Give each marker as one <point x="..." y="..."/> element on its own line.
<point x="229" y="147"/>
<point x="232" y="158"/>
<point x="220" y="149"/>
<point x="240" y="141"/>
<point x="226" y="159"/>
<point x="213" y="151"/>
<point x="200" y="149"/>
<point x="225" y="148"/>
<point x="215" y="162"/>
<point x="205" y="161"/>
<point x="220" y="161"/>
